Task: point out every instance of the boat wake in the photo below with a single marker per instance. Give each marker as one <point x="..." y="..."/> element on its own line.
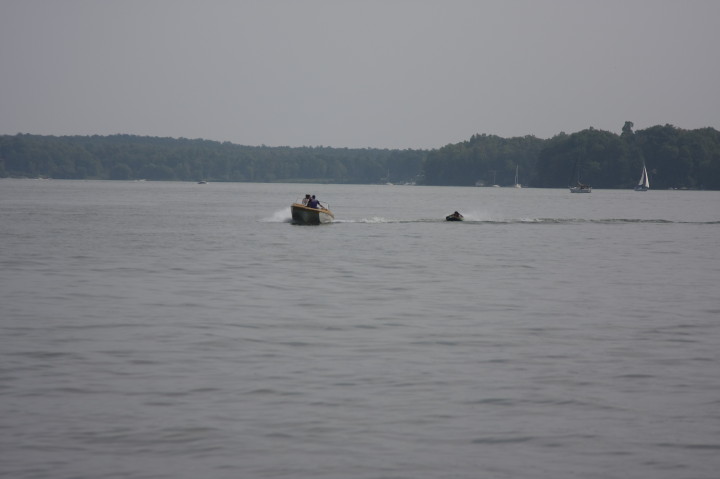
<point x="284" y="216"/>
<point x="281" y="216"/>
<point x="535" y="221"/>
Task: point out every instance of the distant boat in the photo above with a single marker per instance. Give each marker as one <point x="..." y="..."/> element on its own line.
<point x="454" y="217"/>
<point x="644" y="183"/>
<point x="517" y="184"/>
<point x="202" y="182"/>
<point x="579" y="187"/>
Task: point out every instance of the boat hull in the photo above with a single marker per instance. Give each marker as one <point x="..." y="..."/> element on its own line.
<point x="453" y="218"/>
<point x="581" y="189"/>
<point x="304" y="215"/>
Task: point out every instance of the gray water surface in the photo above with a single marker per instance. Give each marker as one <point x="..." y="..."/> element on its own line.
<point x="175" y="330"/>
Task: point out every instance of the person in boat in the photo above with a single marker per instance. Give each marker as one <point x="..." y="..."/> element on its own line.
<point x="313" y="203"/>
<point x="306" y="200"/>
<point x="456" y="215"/>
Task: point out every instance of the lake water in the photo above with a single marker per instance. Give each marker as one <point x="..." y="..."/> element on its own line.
<point x="175" y="330"/>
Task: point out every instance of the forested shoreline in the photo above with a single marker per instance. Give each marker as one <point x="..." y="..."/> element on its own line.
<point x="675" y="158"/>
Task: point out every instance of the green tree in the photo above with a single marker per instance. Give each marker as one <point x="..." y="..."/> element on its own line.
<point x="120" y="171"/>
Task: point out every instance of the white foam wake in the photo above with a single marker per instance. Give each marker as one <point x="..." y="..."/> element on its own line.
<point x="281" y="216"/>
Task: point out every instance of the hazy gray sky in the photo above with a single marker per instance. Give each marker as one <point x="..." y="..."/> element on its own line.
<point x="356" y="73"/>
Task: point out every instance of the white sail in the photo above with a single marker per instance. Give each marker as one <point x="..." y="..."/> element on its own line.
<point x="644" y="183"/>
<point x="645" y="180"/>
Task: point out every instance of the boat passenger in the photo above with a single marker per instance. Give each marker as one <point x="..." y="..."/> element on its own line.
<point x="313" y="203"/>
<point x="456" y="215"/>
<point x="306" y="200"/>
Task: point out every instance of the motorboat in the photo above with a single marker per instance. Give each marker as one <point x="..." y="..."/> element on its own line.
<point x="307" y="215"/>
<point x="455" y="217"/>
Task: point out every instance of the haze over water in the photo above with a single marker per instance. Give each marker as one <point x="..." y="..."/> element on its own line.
<point x="175" y="330"/>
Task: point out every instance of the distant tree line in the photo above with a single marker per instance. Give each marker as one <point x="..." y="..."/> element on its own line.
<point x="128" y="157"/>
<point x="675" y="158"/>
<point x="484" y="160"/>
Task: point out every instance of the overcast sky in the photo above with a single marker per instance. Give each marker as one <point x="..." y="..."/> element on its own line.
<point x="356" y="73"/>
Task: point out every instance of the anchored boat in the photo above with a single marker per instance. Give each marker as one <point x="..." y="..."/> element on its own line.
<point x="579" y="187"/>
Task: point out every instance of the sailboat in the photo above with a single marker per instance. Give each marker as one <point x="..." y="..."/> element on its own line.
<point x="644" y="183"/>
<point x="517" y="185"/>
<point x="579" y="187"/>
